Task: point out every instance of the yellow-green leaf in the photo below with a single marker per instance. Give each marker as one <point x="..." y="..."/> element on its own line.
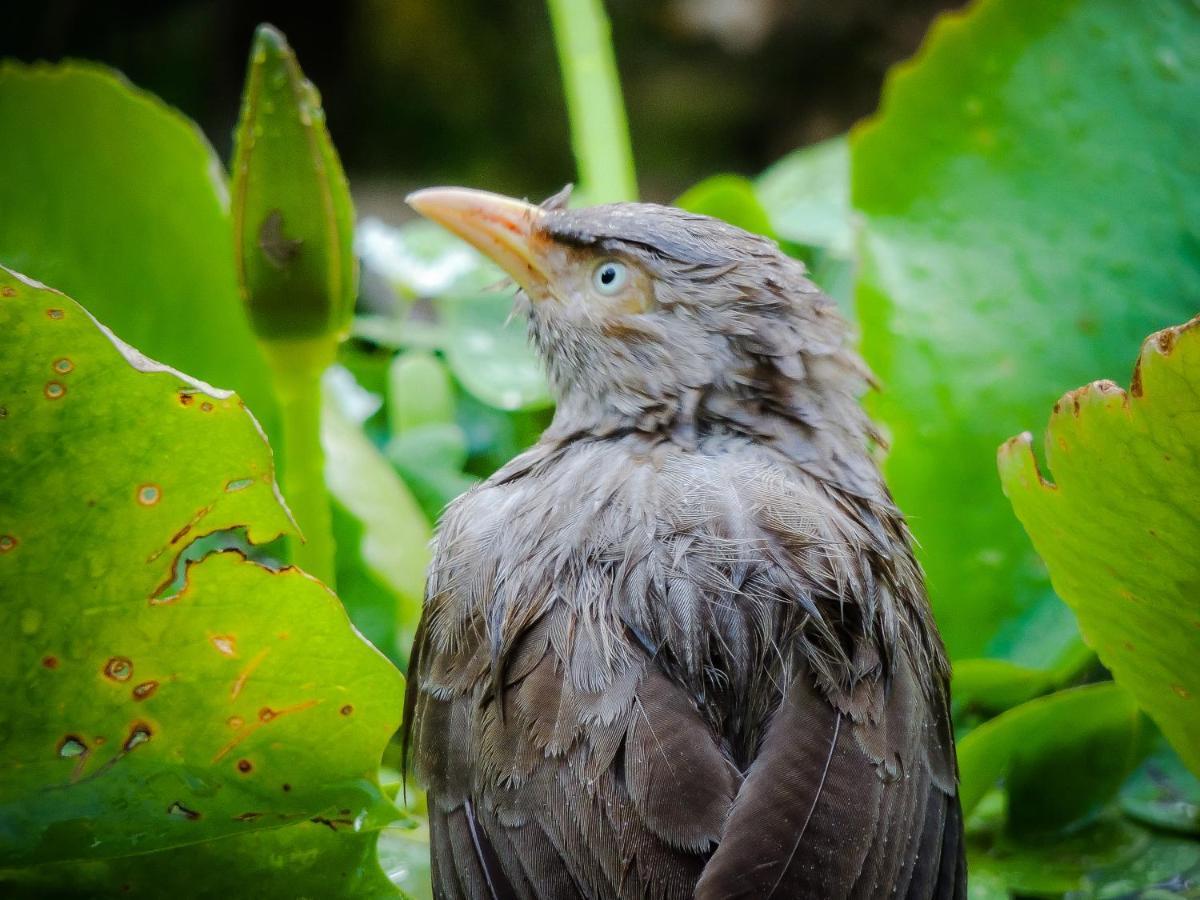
<point x="1118" y="524"/>
<point x="164" y="683"/>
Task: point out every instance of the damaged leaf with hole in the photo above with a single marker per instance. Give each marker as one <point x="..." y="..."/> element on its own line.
<point x="147" y="655"/>
<point x="1115" y="519"/>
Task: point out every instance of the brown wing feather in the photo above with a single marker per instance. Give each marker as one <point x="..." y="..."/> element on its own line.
<point x="834" y="807"/>
<point x="618" y="792"/>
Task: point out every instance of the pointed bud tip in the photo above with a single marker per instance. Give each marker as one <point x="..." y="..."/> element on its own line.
<point x="269" y="39"/>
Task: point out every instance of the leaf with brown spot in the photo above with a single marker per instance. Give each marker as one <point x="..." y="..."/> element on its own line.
<point x="1118" y="524"/>
<point x="122" y="706"/>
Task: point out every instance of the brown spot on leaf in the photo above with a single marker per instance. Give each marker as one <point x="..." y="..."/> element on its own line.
<point x="54" y="390"/>
<point x="244" y="675"/>
<point x="279" y="249"/>
<point x="138" y="734"/>
<point x="178" y="809"/>
<point x="144" y="690"/>
<point x="50" y="662"/>
<point x="1181" y="691"/>
<point x="186" y="398"/>
<point x="72" y="746"/>
<point x="266" y="716"/>
<point x="235" y="721"/>
<point x="7" y="291"/>
<point x="7" y="542"/>
<point x="206" y="406"/>
<point x="63" y="365"/>
<point x="331" y="824"/>
<point x="148" y="494"/>
<point x="118" y="668"/>
<point x="55" y="313"/>
<point x="247" y="817"/>
<point x="238" y="484"/>
<point x="244" y="765"/>
<point x="346" y="710"/>
<point x="225" y="644"/>
<point x="286" y="787"/>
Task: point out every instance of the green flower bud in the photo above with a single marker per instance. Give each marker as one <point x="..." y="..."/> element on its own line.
<point x="293" y="219"/>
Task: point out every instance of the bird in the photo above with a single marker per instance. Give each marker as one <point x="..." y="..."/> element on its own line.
<point x="681" y="646"/>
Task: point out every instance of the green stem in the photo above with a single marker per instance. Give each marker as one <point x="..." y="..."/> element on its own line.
<point x="297" y="367"/>
<point x="599" y="129"/>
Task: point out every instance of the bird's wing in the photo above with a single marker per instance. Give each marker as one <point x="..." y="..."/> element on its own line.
<point x="619" y="790"/>
<point x="847" y="803"/>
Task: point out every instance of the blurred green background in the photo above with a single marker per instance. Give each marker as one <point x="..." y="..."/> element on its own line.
<point x="1007" y="220"/>
<point x="468" y="91"/>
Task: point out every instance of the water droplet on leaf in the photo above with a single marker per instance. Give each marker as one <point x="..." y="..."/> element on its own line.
<point x="118" y="668"/>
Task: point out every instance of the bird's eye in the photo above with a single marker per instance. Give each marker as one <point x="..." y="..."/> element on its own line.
<point x="609" y="277"/>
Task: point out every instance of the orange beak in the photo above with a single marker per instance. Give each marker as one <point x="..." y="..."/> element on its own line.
<point x="503" y="229"/>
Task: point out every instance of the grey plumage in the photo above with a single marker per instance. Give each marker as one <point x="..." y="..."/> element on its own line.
<point x="681" y="646"/>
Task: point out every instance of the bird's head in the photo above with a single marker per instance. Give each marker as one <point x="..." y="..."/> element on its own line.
<point x="652" y="318"/>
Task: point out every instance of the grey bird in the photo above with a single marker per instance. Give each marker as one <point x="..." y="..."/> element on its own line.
<point x="680" y="647"/>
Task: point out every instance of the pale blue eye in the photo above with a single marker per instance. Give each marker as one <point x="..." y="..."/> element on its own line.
<point x="609" y="276"/>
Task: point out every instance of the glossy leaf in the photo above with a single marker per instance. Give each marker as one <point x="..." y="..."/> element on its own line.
<point x="1090" y="738"/>
<point x="489" y="353"/>
<point x="1112" y="859"/>
<point x="427" y="447"/>
<point x="324" y="859"/>
<point x="1118" y="528"/>
<point x="117" y="199"/>
<point x="807" y="196"/>
<point x="1030" y="197"/>
<point x="395" y="534"/>
<point x="485" y="347"/>
<point x="164" y="690"/>
<point x="1163" y="794"/>
<point x="728" y="197"/>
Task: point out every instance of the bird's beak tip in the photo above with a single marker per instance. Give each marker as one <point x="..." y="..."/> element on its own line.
<point x="500" y="227"/>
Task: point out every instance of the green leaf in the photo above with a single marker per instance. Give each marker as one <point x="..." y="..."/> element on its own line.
<point x="1111" y="859"/>
<point x="419" y="392"/>
<point x="1063" y="754"/>
<point x="404" y="854"/>
<point x="994" y="685"/>
<point x="489" y="354"/>
<point x="395" y="534"/>
<point x="485" y="347"/>
<point x="422" y="259"/>
<point x="293" y="221"/>
<point x="728" y="197"/>
<point x="325" y="859"/>
<point x="1118" y="526"/>
<point x="807" y="196"/>
<point x="117" y="199"/>
<point x="164" y="690"/>
<point x="1163" y="794"/>
<point x="1031" y="195"/>
<point x="427" y="447"/>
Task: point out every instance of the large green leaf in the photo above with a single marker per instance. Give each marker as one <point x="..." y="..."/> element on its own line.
<point x="1031" y="194"/>
<point x="1119" y="527"/>
<point x="161" y="692"/>
<point x="1062" y="755"/>
<point x="1112" y="859"/>
<point x="319" y="859"/>
<point x="394" y="540"/>
<point x="114" y="197"/>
